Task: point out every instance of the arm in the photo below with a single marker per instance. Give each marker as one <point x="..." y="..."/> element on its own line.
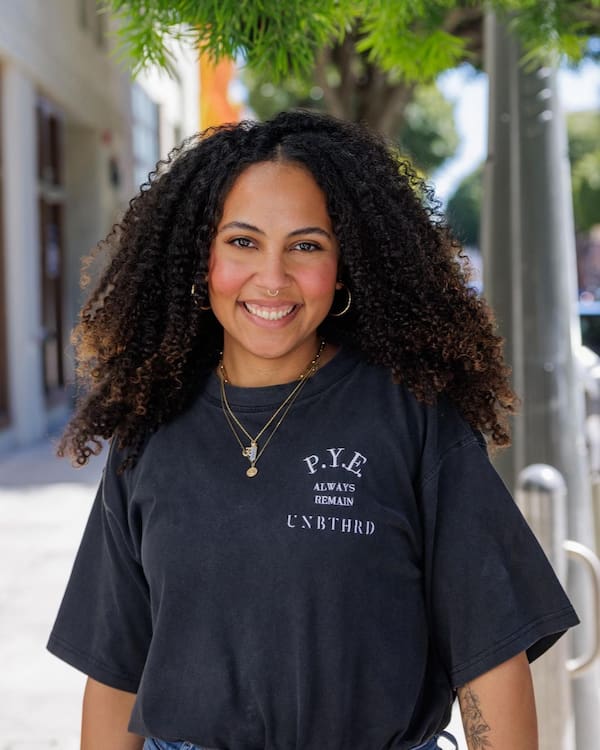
<point x="498" y="708"/>
<point x="106" y="713"/>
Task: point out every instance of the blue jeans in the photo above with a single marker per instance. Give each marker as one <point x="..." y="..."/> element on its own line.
<point x="152" y="743"/>
<point x="432" y="744"/>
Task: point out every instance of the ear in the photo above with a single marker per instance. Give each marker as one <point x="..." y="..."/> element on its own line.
<point x="339" y="285"/>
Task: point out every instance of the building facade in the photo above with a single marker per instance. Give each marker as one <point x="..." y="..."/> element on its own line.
<point x="76" y="136"/>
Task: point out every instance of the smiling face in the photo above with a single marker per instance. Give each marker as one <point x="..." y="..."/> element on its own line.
<point x="275" y="235"/>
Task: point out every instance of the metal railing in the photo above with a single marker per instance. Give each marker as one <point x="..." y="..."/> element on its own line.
<point x="542" y="497"/>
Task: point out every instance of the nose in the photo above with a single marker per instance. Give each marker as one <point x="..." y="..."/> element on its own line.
<point x="273" y="272"/>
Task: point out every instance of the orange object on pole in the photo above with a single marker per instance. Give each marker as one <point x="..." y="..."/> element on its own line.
<point x="215" y="106"/>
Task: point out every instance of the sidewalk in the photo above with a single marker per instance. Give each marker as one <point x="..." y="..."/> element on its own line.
<point x="44" y="504"/>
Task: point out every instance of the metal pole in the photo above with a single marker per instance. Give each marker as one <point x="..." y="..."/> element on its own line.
<point x="538" y="278"/>
<point x="500" y="244"/>
<point x="542" y="497"/>
<point x="553" y="407"/>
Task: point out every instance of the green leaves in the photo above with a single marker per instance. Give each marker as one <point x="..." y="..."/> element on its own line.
<point x="409" y="38"/>
<point x="146" y="28"/>
<point x="416" y="56"/>
<point x="279" y="37"/>
<point x="413" y="39"/>
<point x="550" y="30"/>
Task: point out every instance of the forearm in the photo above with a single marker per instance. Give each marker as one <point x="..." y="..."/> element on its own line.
<point x="498" y="708"/>
<point x="106" y="713"/>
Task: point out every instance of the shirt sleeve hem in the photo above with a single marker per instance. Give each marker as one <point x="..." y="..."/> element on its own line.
<point x="91" y="666"/>
<point x="535" y="638"/>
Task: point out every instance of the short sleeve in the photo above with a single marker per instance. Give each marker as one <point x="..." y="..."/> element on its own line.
<point x="491" y="590"/>
<point x="103" y="627"/>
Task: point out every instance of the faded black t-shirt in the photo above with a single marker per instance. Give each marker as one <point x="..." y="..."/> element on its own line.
<point x="335" y="600"/>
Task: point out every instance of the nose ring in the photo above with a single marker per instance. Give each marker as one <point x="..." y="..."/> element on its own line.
<point x="272" y="293"/>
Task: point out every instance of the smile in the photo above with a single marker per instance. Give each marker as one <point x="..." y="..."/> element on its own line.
<point x="269" y="313"/>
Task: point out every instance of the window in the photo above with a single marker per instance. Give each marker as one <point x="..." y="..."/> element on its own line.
<point x="4" y="406"/>
<point x="50" y="134"/>
<point x="146" y="133"/>
<point x="92" y="18"/>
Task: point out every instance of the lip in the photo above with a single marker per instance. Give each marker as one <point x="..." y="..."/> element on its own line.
<point x="270" y="308"/>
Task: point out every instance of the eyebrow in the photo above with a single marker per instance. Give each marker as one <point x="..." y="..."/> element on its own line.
<point x="293" y="233"/>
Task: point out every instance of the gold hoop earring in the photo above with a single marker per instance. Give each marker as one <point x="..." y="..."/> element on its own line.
<point x="347" y="306"/>
<point x="200" y="307"/>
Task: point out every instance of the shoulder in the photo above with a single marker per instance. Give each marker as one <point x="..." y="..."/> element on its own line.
<point x="439" y="426"/>
<point x="449" y="439"/>
<point x="127" y="461"/>
<point x="453" y="430"/>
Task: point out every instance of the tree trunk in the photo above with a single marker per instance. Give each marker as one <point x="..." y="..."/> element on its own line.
<point x="361" y="92"/>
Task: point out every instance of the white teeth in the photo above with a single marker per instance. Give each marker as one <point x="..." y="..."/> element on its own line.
<point x="267" y="313"/>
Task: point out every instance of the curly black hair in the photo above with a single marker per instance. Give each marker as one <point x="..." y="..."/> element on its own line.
<point x="143" y="340"/>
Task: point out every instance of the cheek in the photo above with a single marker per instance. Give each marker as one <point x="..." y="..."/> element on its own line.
<point x="320" y="283"/>
<point x="224" y="276"/>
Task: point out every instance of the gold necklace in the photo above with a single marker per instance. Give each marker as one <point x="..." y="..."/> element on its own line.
<point x="252" y="451"/>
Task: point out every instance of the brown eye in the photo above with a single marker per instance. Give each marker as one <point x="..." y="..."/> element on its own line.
<point x="241" y="242"/>
<point x="307" y="247"/>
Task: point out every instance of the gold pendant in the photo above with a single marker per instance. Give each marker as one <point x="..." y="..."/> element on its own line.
<point x="251" y="451"/>
<point x="252" y="471"/>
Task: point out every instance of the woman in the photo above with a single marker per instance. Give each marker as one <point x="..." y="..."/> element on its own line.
<point x="298" y="541"/>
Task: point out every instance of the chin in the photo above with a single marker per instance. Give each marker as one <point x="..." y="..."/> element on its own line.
<point x="275" y="350"/>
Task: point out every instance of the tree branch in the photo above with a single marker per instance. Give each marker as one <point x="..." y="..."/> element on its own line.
<point x="392" y="117"/>
<point x="467" y="23"/>
<point x="344" y="55"/>
<point x="331" y="94"/>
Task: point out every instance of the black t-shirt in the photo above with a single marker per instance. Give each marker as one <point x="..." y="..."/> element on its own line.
<point x="335" y="600"/>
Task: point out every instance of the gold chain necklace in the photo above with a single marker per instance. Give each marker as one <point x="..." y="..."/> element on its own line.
<point x="252" y="451"/>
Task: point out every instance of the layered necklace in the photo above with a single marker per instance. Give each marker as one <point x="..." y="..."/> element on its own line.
<point x="252" y="451"/>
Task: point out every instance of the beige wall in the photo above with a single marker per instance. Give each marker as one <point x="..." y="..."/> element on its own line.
<point x="45" y="39"/>
<point x="178" y="97"/>
<point x="44" y="51"/>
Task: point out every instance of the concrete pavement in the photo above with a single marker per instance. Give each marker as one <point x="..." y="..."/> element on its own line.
<point x="44" y="504"/>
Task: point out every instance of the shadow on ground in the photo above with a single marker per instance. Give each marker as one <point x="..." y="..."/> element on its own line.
<point x="38" y="465"/>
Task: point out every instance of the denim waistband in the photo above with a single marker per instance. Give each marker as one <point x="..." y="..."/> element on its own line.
<point x="152" y="743"/>
<point x="432" y="744"/>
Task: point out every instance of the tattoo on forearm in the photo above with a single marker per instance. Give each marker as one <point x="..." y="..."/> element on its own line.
<point x="476" y="727"/>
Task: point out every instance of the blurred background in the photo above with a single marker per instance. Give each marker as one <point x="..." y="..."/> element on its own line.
<point x="498" y="110"/>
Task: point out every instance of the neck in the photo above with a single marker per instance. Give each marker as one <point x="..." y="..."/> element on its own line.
<point x="255" y="372"/>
